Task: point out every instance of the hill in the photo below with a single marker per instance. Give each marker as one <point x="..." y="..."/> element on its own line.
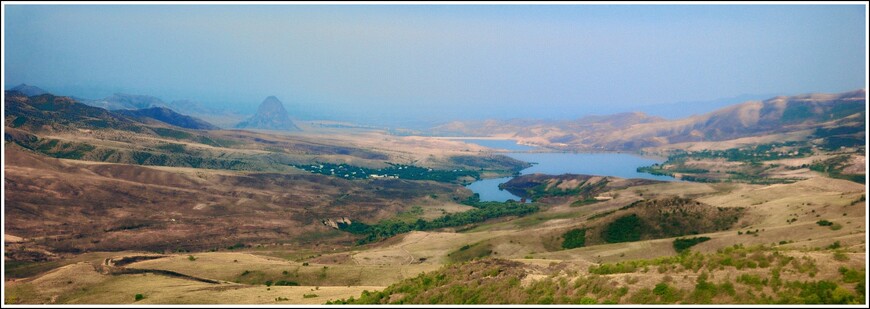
<point x="719" y="278"/>
<point x="168" y="116"/>
<point x="52" y="113"/>
<point x="583" y="188"/>
<point x="271" y="115"/>
<point x="125" y="101"/>
<point x="29" y="90"/>
<point x="98" y="206"/>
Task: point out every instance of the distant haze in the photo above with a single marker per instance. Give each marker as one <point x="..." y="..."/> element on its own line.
<point x="425" y="63"/>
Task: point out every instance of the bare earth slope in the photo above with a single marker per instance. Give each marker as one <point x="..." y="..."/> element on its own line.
<point x="67" y="206"/>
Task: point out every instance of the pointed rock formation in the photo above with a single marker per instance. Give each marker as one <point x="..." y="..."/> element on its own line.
<point x="271" y="115"/>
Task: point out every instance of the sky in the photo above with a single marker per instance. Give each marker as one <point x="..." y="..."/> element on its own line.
<point x="423" y="63"/>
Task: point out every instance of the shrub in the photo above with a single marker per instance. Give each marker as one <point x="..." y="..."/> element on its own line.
<point x="236" y="246"/>
<point x="309" y="295"/>
<point x="824" y="222"/>
<point x="587" y="301"/>
<point x="285" y="283"/>
<point x="139" y="297"/>
<point x="851" y="275"/>
<point x="665" y="293"/>
<point x="753" y="280"/>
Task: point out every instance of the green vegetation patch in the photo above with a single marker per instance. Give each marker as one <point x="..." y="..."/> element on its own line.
<point x="575" y="238"/>
<point x="171" y="147"/>
<point x="662" y="218"/>
<point x="483" y="211"/>
<point x="490" y="281"/>
<point x="400" y="171"/>
<point x="824" y="223"/>
<point x="59" y="149"/>
<point x="537" y="187"/>
<point x="19" y="121"/>
<point x="624" y="229"/>
<point x="751" y="169"/>
<point x="470" y="252"/>
<point x="585" y="201"/>
<point x="285" y="283"/>
<point x="176" y="134"/>
<point x="833" y="168"/>
<point x="682" y="244"/>
<point x="24" y="269"/>
<point x="687" y="279"/>
<point x="498" y="163"/>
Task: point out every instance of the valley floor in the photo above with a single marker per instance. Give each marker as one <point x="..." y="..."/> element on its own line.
<point x="784" y="218"/>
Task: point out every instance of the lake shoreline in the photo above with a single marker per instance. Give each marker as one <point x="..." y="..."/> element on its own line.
<point x="614" y="164"/>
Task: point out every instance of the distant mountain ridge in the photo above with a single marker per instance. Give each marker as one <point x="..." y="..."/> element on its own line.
<point x="121" y="101"/>
<point x="672" y="111"/>
<point x="776" y="115"/>
<point x="271" y="115"/>
<point x="29" y="90"/>
<point x="125" y="101"/>
<point x="634" y="131"/>
<point x="48" y="112"/>
<point x="167" y="115"/>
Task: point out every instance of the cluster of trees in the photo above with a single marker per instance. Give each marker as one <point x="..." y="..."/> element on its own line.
<point x="575" y="238"/>
<point x="763" y="152"/>
<point x="401" y="171"/>
<point x="58" y="149"/>
<point x="845" y="136"/>
<point x="482" y="211"/>
<point x="625" y="229"/>
<point x="833" y="167"/>
<point x="751" y="171"/>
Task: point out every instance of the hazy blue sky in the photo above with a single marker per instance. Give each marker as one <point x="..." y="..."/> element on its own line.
<point x="436" y="62"/>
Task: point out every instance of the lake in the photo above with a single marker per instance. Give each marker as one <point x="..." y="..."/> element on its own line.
<point x="623" y="165"/>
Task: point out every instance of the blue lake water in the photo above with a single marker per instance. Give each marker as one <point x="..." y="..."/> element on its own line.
<point x="621" y="165"/>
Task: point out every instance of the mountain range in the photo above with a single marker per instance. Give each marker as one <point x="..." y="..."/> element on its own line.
<point x="47" y="112"/>
<point x="617" y="132"/>
<point x="634" y="131"/>
<point x="120" y="101"/>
